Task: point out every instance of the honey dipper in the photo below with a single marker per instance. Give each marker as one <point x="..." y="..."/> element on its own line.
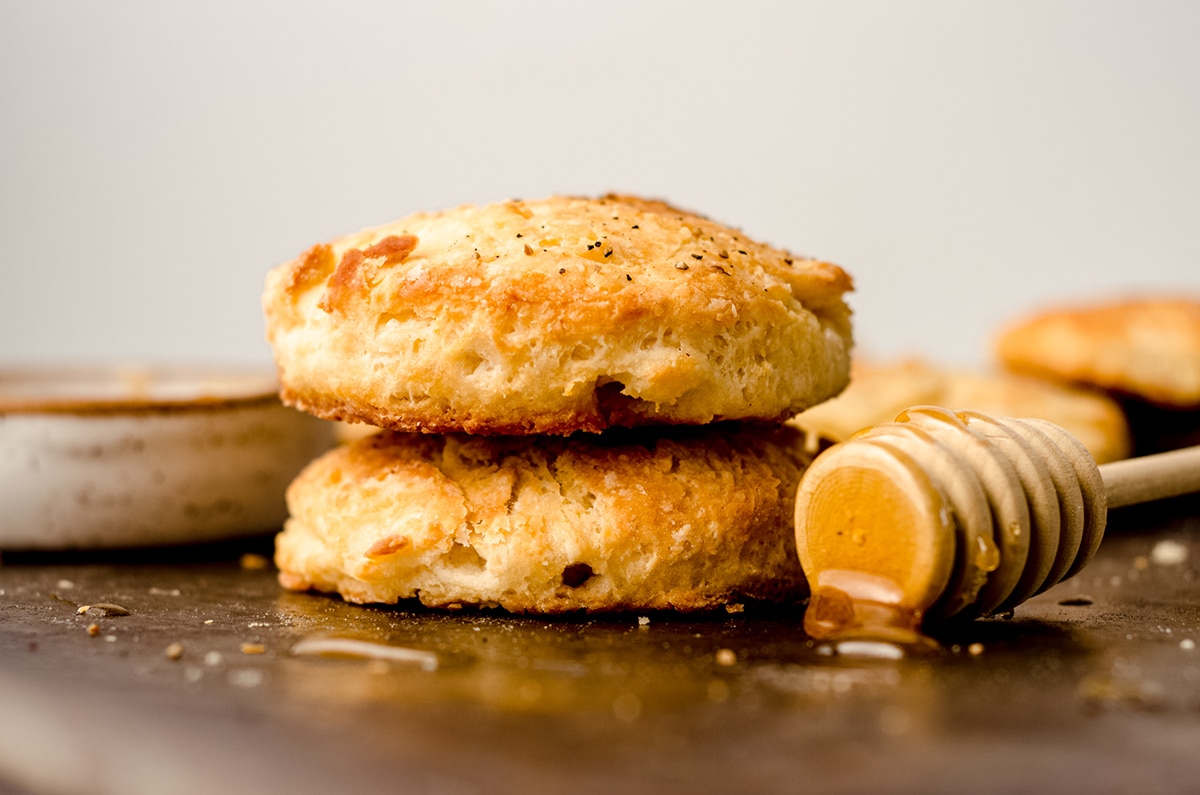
<point x="954" y="514"/>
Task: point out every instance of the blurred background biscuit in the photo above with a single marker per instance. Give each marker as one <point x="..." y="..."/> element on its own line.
<point x="1142" y="350"/>
<point x="880" y="390"/>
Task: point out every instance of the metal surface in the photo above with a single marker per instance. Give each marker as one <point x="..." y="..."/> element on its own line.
<point x="1093" y="686"/>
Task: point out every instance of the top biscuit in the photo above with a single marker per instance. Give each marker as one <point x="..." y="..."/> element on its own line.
<point x="1147" y="348"/>
<point x="556" y="316"/>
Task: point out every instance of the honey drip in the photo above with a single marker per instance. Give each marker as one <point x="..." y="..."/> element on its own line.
<point x="862" y="614"/>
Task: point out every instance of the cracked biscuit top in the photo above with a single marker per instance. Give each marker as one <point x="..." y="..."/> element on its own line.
<point x="555" y="316"/>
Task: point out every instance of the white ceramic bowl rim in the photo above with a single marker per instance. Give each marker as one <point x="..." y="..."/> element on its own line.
<point x="131" y="389"/>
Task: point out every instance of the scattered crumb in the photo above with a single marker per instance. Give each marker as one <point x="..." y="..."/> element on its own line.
<point x="726" y="657"/>
<point x="93" y="629"/>
<point x="174" y="651"/>
<point x="975" y="649"/>
<point x="1187" y="644"/>
<point x="103" y="609"/>
<point x="253" y="648"/>
<point x="736" y="607"/>
<point x="208" y="621"/>
<point x="213" y="658"/>
<point x="1106" y="690"/>
<point x="65" y="585"/>
<point x="247" y="678"/>
<point x="165" y="592"/>
<point x="254" y="562"/>
<point x="1169" y="553"/>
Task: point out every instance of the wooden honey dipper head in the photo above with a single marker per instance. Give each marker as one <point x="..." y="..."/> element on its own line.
<point x="954" y="514"/>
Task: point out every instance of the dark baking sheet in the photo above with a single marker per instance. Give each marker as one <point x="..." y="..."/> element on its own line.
<point x="1093" y="686"/>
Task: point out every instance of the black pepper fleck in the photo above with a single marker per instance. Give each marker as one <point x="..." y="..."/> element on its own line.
<point x="723" y="255"/>
<point x="519" y="234"/>
<point x="741" y="252"/>
<point x="628" y="278"/>
<point x="608" y="253"/>
<point x="697" y="256"/>
<point x="635" y="226"/>
<point x="562" y="270"/>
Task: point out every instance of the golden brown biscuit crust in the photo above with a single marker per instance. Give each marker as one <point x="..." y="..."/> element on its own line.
<point x="879" y="391"/>
<point x="554" y="316"/>
<point x="1144" y="347"/>
<point x="629" y="520"/>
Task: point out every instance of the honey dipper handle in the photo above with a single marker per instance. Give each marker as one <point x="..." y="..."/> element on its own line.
<point x="1152" y="477"/>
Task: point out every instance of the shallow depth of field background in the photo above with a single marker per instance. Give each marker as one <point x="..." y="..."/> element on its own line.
<point x="965" y="161"/>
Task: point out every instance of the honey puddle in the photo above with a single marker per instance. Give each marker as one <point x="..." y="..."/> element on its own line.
<point x="340" y="646"/>
<point x="856" y="614"/>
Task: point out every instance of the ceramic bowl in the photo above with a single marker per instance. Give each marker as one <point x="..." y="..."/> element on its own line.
<point x="106" y="458"/>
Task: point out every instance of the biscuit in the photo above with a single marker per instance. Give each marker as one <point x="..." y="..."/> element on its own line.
<point x="879" y="391"/>
<point x="1146" y="348"/>
<point x="677" y="519"/>
<point x="555" y="316"/>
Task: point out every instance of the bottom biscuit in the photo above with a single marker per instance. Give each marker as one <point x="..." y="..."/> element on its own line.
<point x="686" y="519"/>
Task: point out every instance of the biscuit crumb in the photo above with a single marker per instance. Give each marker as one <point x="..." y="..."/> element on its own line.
<point x="1168" y="553"/>
<point x="174" y="651"/>
<point x="726" y="657"/>
<point x="252" y="561"/>
<point x="975" y="649"/>
<point x="103" y="609"/>
<point x="253" y="648"/>
<point x="93" y="630"/>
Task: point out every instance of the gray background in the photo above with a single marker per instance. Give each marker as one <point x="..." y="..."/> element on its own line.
<point x="964" y="161"/>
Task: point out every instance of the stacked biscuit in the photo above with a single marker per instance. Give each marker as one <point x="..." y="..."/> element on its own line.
<point x="583" y="404"/>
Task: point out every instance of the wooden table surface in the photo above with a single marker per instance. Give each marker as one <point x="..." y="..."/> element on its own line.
<point x="1092" y="687"/>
